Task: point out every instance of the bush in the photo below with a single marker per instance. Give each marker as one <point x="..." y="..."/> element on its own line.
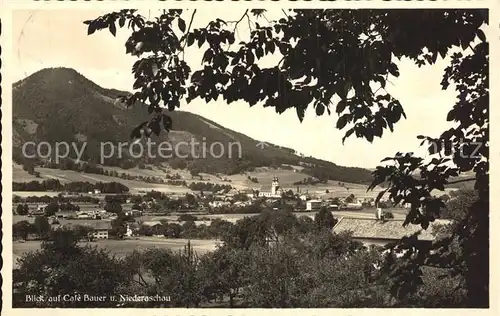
<point x="187" y="218"/>
<point x="388" y="215"/>
<point x="22" y="209"/>
<point x="51" y="209"/>
<point x="22" y="229"/>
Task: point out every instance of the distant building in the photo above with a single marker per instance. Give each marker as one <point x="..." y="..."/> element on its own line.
<point x="275" y="192"/>
<point x="232" y="192"/>
<point x="333" y="207"/>
<point x="133" y="213"/>
<point x="374" y="232"/>
<point x="313" y="205"/>
<point x="101" y="230"/>
<point x="305" y="197"/>
<point x="40" y="210"/>
<point x="216" y="204"/>
<point x="250" y="193"/>
<point x="83" y="215"/>
<point x="152" y="223"/>
<point x="353" y="206"/>
<point x="132" y="229"/>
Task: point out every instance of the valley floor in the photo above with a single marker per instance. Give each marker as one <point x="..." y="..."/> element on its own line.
<point x="121" y="248"/>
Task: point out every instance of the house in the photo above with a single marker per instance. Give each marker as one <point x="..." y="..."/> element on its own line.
<point x="216" y="204"/>
<point x="83" y="215"/>
<point x="333" y="207"/>
<point x="352" y="206"/>
<point x="133" y="213"/>
<point x="155" y="226"/>
<point x="249" y="192"/>
<point x="232" y="192"/>
<point x="152" y="223"/>
<point x="204" y="194"/>
<point x="305" y="197"/>
<point x="313" y="205"/>
<point x="40" y="210"/>
<point x="65" y="214"/>
<point x="101" y="230"/>
<point x="371" y="231"/>
<point x="132" y="229"/>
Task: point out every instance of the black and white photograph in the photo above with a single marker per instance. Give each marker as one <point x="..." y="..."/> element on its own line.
<point x="211" y="155"/>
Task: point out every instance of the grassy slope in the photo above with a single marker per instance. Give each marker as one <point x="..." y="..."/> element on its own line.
<point x="65" y="106"/>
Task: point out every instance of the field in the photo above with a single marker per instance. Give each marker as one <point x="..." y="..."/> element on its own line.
<point x="239" y="181"/>
<point x="66" y="176"/>
<point x="365" y="213"/>
<point x="121" y="248"/>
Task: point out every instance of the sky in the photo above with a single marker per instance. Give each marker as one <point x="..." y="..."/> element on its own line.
<point x="52" y="38"/>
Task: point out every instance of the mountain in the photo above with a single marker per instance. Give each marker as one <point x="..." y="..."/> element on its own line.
<point x="59" y="104"/>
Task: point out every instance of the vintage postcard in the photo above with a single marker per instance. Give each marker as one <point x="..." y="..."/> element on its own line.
<point x="233" y="158"/>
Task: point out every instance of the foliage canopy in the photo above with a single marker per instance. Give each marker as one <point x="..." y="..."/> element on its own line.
<point x="338" y="61"/>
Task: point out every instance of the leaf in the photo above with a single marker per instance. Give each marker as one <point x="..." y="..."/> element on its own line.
<point x="155" y="126"/>
<point x="369" y="137"/>
<point x="259" y="52"/>
<point x="380" y="194"/>
<point x="282" y="48"/>
<point x="341" y="106"/>
<point x="271" y="47"/>
<point x="342" y="121"/>
<point x="451" y="116"/>
<point x="136" y="132"/>
<point x="167" y="122"/>
<point x="347" y="134"/>
<point x="112" y="28"/>
<point x="121" y="22"/>
<point x="250" y="57"/>
<point x="393" y="69"/>
<point x="481" y="35"/>
<point x="190" y="39"/>
<point x="320" y="109"/>
<point x="381" y="80"/>
<point x="181" y="24"/>
<point x="207" y="56"/>
<point x="92" y="28"/>
<point x="388" y="158"/>
<point x="201" y="40"/>
<point x="300" y="113"/>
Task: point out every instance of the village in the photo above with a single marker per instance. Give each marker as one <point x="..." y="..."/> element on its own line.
<point x="153" y="214"/>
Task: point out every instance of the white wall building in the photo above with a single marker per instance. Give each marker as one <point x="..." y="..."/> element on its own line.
<point x="275" y="192"/>
<point x="313" y="205"/>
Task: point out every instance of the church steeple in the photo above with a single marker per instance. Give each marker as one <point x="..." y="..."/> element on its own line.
<point x="275" y="185"/>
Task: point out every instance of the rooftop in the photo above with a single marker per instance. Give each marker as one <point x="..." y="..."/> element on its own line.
<point x="390" y="229"/>
<point x="152" y="223"/>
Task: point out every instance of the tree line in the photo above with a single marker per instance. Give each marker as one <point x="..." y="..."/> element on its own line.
<point x="274" y="260"/>
<point x="77" y="186"/>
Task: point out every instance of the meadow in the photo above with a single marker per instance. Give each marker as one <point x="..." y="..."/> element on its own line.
<point x="121" y="248"/>
<point x="238" y="181"/>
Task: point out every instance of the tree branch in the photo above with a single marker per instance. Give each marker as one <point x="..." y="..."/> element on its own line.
<point x="235" y="29"/>
<point x="189" y="28"/>
<point x="283" y="10"/>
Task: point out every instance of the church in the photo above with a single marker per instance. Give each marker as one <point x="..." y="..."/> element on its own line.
<point x="275" y="192"/>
